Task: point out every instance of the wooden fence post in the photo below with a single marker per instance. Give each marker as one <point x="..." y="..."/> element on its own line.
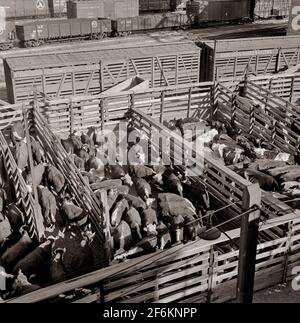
<point x="278" y="60"/>
<point x="102" y="111"/>
<point x="233" y="109"/>
<point x="288" y="251"/>
<point x="211" y="273"/>
<point x="71" y="111"/>
<point x="213" y="105"/>
<point x="189" y="102"/>
<point x="109" y="243"/>
<point x="292" y="88"/>
<point x="132" y="101"/>
<point x="248" y="243"/>
<point x="251" y="119"/>
<point x="273" y="137"/>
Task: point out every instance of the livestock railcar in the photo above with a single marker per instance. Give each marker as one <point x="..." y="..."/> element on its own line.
<point x="25" y="8"/>
<point x="218" y="11"/>
<point x="147" y="6"/>
<point x="93" y="71"/>
<point x="272" y="8"/>
<point x="235" y="57"/>
<point x="35" y="33"/>
<point x="125" y="26"/>
<point x="8" y="38"/>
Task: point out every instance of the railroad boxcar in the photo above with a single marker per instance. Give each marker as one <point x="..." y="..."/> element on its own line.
<point x="85" y="9"/>
<point x="233" y="58"/>
<point x="155" y="5"/>
<point x="124" y="26"/>
<point x="35" y="33"/>
<point x="147" y="6"/>
<point x="271" y="8"/>
<point x="224" y="10"/>
<point x="94" y="71"/>
<point x="25" y="8"/>
<point x="7" y="36"/>
<point x="57" y="8"/>
<point x="114" y="9"/>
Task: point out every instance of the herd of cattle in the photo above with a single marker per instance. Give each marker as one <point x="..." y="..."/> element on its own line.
<point x="147" y="203"/>
<point x="151" y="205"/>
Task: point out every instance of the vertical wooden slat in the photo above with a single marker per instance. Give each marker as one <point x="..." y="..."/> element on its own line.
<point x="162" y="105"/>
<point x="211" y="273"/>
<point x="288" y="251"/>
<point x="71" y="111"/>
<point x="189" y="102"/>
<point x="38" y="219"/>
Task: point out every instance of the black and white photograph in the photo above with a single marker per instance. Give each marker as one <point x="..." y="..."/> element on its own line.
<point x="149" y="154"/>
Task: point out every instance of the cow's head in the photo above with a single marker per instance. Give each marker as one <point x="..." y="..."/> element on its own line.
<point x="127" y="180"/>
<point x="150" y="230"/>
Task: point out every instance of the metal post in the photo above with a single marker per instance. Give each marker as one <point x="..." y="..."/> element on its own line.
<point x="248" y="244"/>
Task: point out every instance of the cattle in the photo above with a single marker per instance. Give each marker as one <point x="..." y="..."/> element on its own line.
<point x="266" y="182"/>
<point x="22" y="286"/>
<point x="95" y="163"/>
<point x="143" y="189"/>
<point x="137" y="202"/>
<point x="75" y="255"/>
<point x="17" y="251"/>
<point x="15" y="216"/>
<point x="77" y="144"/>
<point x="117" y="172"/>
<point x="74" y="214"/>
<point x="83" y="153"/>
<point x="142" y="171"/>
<point x="192" y="228"/>
<point x="78" y="162"/>
<point x="17" y="132"/>
<point x="35" y="260"/>
<point x="118" y="211"/>
<point x="5" y="228"/>
<point x="133" y="218"/>
<point x="172" y="182"/>
<point x="122" y="237"/>
<point x="22" y="155"/>
<point x="55" y="179"/>
<point x="37" y="151"/>
<point x="136" y="155"/>
<point x="3" y="199"/>
<point x="176" y="224"/>
<point x="68" y="145"/>
<point x="38" y="174"/>
<point x="106" y="184"/>
<point x="48" y="204"/>
<point x="87" y="140"/>
<point x="57" y="270"/>
<point x="172" y="204"/>
<point x="163" y="236"/>
<point x="149" y="222"/>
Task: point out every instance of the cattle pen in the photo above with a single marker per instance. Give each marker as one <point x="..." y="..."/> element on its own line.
<point x="196" y="271"/>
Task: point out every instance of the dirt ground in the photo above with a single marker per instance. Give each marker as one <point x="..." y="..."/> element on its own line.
<point x="278" y="294"/>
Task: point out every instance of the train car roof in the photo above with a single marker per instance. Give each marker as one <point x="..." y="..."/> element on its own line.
<point x="256" y="43"/>
<point x="97" y="55"/>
